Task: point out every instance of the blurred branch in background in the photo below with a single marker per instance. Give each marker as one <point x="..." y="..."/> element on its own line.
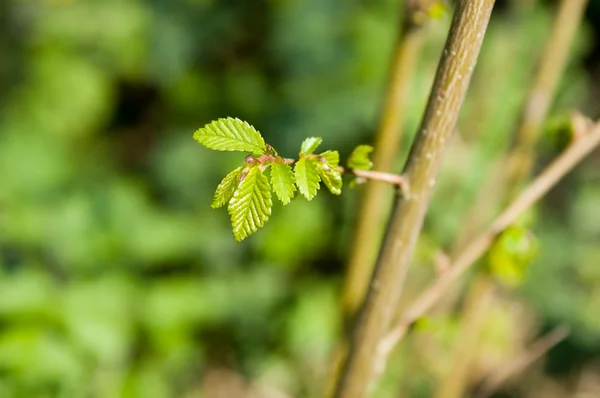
<point x="478" y="246"/>
<point x="439" y="121"/>
<point x="376" y="199"/>
<point x="550" y="69"/>
<point x="513" y="368"/>
<point x="507" y="177"/>
<point x="513" y="170"/>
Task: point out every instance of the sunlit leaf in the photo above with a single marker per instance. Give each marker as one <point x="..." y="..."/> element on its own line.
<point x="282" y="180"/>
<point x="226" y="188"/>
<point x="251" y="204"/>
<point x="231" y="134"/>
<point x="307" y="177"/>
<point x="331" y="177"/>
<point x="359" y="158"/>
<point x="309" y="145"/>
<point x="332" y="158"/>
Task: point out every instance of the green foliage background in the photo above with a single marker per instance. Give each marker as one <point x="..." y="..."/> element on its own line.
<point x="117" y="279"/>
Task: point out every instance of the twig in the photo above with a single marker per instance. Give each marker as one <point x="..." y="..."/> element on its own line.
<point x="380" y="176"/>
<point x="373" y="175"/>
<point x="538" y="188"/>
<point x="441" y="114"/>
<point x="540" y="347"/>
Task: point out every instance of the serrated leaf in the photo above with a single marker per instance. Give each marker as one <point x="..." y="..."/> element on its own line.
<point x="231" y="134"/>
<point x="282" y="180"/>
<point x="332" y="158"/>
<point x="309" y="145"/>
<point x="331" y="177"/>
<point x="307" y="177"/>
<point x="359" y="158"/>
<point x="250" y="206"/>
<point x="226" y="188"/>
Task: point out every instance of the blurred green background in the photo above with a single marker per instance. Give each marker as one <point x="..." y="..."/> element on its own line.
<point x="117" y="279"/>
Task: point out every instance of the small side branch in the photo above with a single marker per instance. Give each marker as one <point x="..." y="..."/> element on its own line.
<point x="395" y="179"/>
<point x="467" y="258"/>
<point x="381" y="176"/>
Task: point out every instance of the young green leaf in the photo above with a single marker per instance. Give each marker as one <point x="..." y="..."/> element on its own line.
<point x="250" y="206"/>
<point x="359" y="158"/>
<point x="437" y="10"/>
<point x="307" y="177"/>
<point x="282" y="180"/>
<point x="331" y="177"/>
<point x="309" y="145"/>
<point x="332" y="158"/>
<point x="226" y="188"/>
<point x="231" y="134"/>
<point x="510" y="255"/>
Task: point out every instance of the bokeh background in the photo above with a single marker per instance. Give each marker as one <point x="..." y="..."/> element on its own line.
<point x="117" y="279"/>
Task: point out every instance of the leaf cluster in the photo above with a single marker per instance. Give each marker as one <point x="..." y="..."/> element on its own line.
<point x="247" y="190"/>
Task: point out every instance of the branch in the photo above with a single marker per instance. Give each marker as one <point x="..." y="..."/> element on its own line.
<point x="538" y="188"/>
<point x="376" y="200"/>
<point x="509" y="173"/>
<point x="546" y="78"/>
<point x="521" y="362"/>
<point x="449" y="89"/>
<point x="380" y="176"/>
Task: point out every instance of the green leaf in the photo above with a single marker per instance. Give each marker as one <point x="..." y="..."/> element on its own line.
<point x="437" y="10"/>
<point x="309" y="145"/>
<point x="250" y="206"/>
<point x="226" y="188"/>
<point x="231" y="134"/>
<point x="332" y="158"/>
<point x="307" y="177"/>
<point x="282" y="180"/>
<point x="510" y="255"/>
<point x="331" y="177"/>
<point x="359" y="158"/>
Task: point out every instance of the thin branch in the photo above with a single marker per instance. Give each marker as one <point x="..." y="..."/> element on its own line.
<point x="467" y="258"/>
<point x="380" y="176"/>
<point x="449" y="90"/>
<point x="510" y="172"/>
<point x="377" y="198"/>
<point x="373" y="175"/>
<point x="538" y="349"/>
<point x="550" y="69"/>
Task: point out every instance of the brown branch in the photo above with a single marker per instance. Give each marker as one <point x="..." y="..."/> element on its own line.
<point x="380" y="176"/>
<point x="538" y="188"/>
<point x="377" y="198"/>
<point x="449" y="89"/>
<point x="538" y="349"/>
